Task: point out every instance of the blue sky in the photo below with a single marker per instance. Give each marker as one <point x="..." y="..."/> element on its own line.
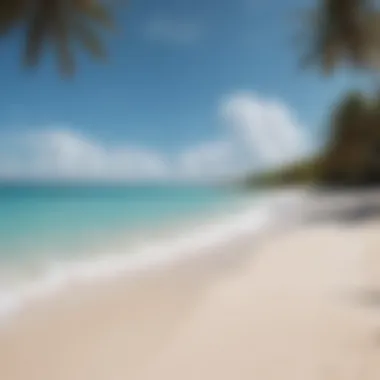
<point x="172" y="65"/>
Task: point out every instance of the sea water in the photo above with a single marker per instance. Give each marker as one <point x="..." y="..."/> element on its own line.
<point x="61" y="226"/>
<point x="50" y="220"/>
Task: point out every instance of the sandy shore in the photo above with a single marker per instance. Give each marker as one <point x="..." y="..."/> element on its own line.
<point x="297" y="304"/>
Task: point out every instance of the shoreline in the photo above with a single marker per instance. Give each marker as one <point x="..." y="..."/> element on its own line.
<point x="292" y="298"/>
<point x="162" y="248"/>
<point x="296" y="298"/>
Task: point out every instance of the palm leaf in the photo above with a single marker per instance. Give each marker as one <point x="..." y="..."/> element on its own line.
<point x="96" y="12"/>
<point x="11" y="13"/>
<point x="343" y="32"/>
<point x="65" y="56"/>
<point x="61" y="36"/>
<point x="86" y="35"/>
<point x="59" y="22"/>
<point x="36" y="35"/>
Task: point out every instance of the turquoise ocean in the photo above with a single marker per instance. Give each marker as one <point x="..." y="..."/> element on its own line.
<point x="45" y="224"/>
<point x="54" y="219"/>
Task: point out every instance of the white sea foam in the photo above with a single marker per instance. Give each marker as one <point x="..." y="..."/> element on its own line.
<point x="256" y="217"/>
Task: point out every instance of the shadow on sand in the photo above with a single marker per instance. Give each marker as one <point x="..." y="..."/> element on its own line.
<point x="367" y="297"/>
<point x="349" y="209"/>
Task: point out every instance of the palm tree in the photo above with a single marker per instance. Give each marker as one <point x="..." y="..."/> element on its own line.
<point x="60" y="22"/>
<point x="343" y="31"/>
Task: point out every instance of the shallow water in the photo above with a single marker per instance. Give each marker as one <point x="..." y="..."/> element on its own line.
<point x="40" y="223"/>
<point x="52" y="236"/>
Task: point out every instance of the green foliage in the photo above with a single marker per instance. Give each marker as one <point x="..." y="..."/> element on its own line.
<point x="351" y="157"/>
<point x="295" y="174"/>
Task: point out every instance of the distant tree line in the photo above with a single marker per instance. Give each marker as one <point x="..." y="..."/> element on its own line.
<point x="351" y="156"/>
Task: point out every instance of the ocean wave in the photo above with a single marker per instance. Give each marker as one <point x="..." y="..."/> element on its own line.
<point x="256" y="215"/>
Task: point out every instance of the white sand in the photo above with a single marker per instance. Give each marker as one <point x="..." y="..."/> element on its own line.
<point x="297" y="306"/>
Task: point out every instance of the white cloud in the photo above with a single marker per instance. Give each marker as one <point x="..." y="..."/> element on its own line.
<point x="172" y="31"/>
<point x="63" y="153"/>
<point x="259" y="133"/>
<point x="265" y="129"/>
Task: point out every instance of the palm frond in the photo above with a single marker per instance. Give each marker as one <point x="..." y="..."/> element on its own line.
<point x="96" y="12"/>
<point x="60" y="22"/>
<point x="86" y="35"/>
<point x="11" y="13"/>
<point x="36" y="35"/>
<point x="343" y="32"/>
<point x="65" y="56"/>
<point x="61" y="30"/>
<point x="63" y="22"/>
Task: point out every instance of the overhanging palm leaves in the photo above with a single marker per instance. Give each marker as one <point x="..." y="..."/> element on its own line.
<point x="343" y="31"/>
<point x="60" y="22"/>
<point x="11" y="12"/>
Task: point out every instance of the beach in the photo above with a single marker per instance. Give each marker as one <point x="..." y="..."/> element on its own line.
<point x="300" y="300"/>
